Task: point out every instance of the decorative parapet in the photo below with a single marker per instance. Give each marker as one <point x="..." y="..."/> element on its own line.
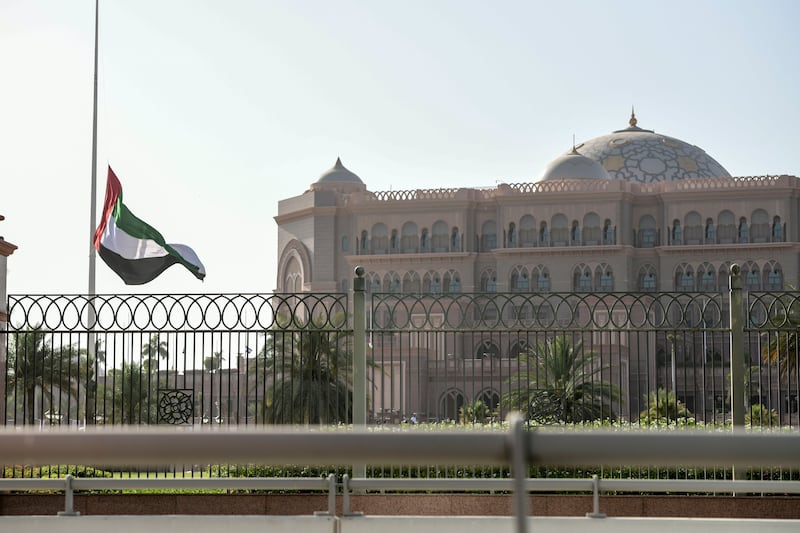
<point x="574" y="185"/>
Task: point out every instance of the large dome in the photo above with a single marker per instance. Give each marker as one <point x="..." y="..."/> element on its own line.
<point x="636" y="154"/>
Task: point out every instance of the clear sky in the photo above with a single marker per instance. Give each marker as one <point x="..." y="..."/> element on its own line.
<point x="211" y="111"/>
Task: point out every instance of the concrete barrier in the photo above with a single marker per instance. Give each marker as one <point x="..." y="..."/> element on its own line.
<point x="169" y="524"/>
<point x="474" y="524"/>
<point x="384" y="524"/>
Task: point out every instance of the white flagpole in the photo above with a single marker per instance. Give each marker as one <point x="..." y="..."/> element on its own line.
<point x="93" y="205"/>
<point x="91" y="348"/>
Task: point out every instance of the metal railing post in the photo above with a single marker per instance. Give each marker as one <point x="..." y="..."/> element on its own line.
<point x="737" y="347"/>
<point x="737" y="363"/>
<point x="595" y="499"/>
<point x="359" y="358"/>
<point x="519" y="469"/>
<point x="331" y="480"/>
<point x="69" y="501"/>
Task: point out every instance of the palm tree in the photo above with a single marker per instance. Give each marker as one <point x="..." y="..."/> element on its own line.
<point x="475" y="412"/>
<point x="153" y="350"/>
<point x="213" y="362"/>
<point x="760" y="415"/>
<point x="782" y="349"/>
<point x="560" y="382"/>
<point x="90" y="361"/>
<point x="33" y="364"/>
<point x="664" y="406"/>
<point x="129" y="391"/>
<point x="313" y="377"/>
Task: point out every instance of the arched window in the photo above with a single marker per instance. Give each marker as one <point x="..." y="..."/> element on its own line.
<point x="424" y="241"/>
<point x="544" y="234"/>
<point x="773" y="279"/>
<point x="677" y="232"/>
<point x="575" y="233"/>
<point x="585" y="282"/>
<point x="647" y="278"/>
<point x="647" y="232"/>
<point x="380" y="239"/>
<point x="723" y="277"/>
<point x="726" y="227"/>
<point x="744" y="231"/>
<point x="488" y="236"/>
<point x="436" y="284"/>
<point x="608" y="233"/>
<point x="364" y="242"/>
<point x="391" y="282"/>
<point x="710" y="233"/>
<point x="684" y="278"/>
<point x="591" y="234"/>
<point x="441" y="237"/>
<point x="777" y="229"/>
<point x="541" y="279"/>
<point x="411" y="283"/>
<point x="760" y="227"/>
<point x="752" y="276"/>
<point x="559" y="230"/>
<point x="455" y="240"/>
<point x="520" y="346"/>
<point x="707" y="277"/>
<point x="512" y="235"/>
<point x="692" y="228"/>
<point x="452" y="282"/>
<point x="519" y="280"/>
<point x="488" y="281"/>
<point x="491" y="399"/>
<point x="374" y="282"/>
<point x="487" y="349"/>
<point x="409" y="240"/>
<point x="450" y="404"/>
<point x="345" y="243"/>
<point x="394" y="242"/>
<point x="582" y="279"/>
<point x="606" y="278"/>
<point x="527" y="231"/>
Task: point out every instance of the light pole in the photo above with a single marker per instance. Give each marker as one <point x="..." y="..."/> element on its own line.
<point x="672" y="337"/>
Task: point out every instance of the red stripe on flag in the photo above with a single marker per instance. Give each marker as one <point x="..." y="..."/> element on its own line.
<point x="113" y="192"/>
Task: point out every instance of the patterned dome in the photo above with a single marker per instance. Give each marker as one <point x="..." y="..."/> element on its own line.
<point x="639" y="155"/>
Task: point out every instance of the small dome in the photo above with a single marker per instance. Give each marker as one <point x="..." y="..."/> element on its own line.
<point x="338" y="173"/>
<point x="574" y="166"/>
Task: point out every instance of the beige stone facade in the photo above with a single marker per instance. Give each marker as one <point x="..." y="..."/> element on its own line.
<point x="629" y="211"/>
<point x="576" y="229"/>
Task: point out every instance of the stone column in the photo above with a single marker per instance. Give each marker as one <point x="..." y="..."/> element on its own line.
<point x="6" y="249"/>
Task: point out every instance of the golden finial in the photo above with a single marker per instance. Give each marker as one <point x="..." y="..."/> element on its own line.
<point x="633" y="120"/>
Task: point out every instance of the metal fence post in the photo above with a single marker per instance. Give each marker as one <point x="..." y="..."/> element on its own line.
<point x="359" y="358"/>
<point x="737" y="347"/>
<point x="737" y="384"/>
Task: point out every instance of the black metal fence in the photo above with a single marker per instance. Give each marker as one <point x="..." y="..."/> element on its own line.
<point x="584" y="359"/>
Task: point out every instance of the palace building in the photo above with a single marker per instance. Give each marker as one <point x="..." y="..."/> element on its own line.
<point x="629" y="211"/>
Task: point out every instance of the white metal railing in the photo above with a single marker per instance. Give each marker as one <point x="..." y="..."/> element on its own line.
<point x="518" y="448"/>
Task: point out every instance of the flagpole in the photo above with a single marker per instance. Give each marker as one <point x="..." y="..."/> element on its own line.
<point x="93" y="200"/>
<point x="91" y="343"/>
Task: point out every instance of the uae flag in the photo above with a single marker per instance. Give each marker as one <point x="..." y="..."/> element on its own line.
<point x="132" y="248"/>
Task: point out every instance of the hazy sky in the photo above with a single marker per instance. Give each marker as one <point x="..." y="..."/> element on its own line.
<point x="212" y="111"/>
